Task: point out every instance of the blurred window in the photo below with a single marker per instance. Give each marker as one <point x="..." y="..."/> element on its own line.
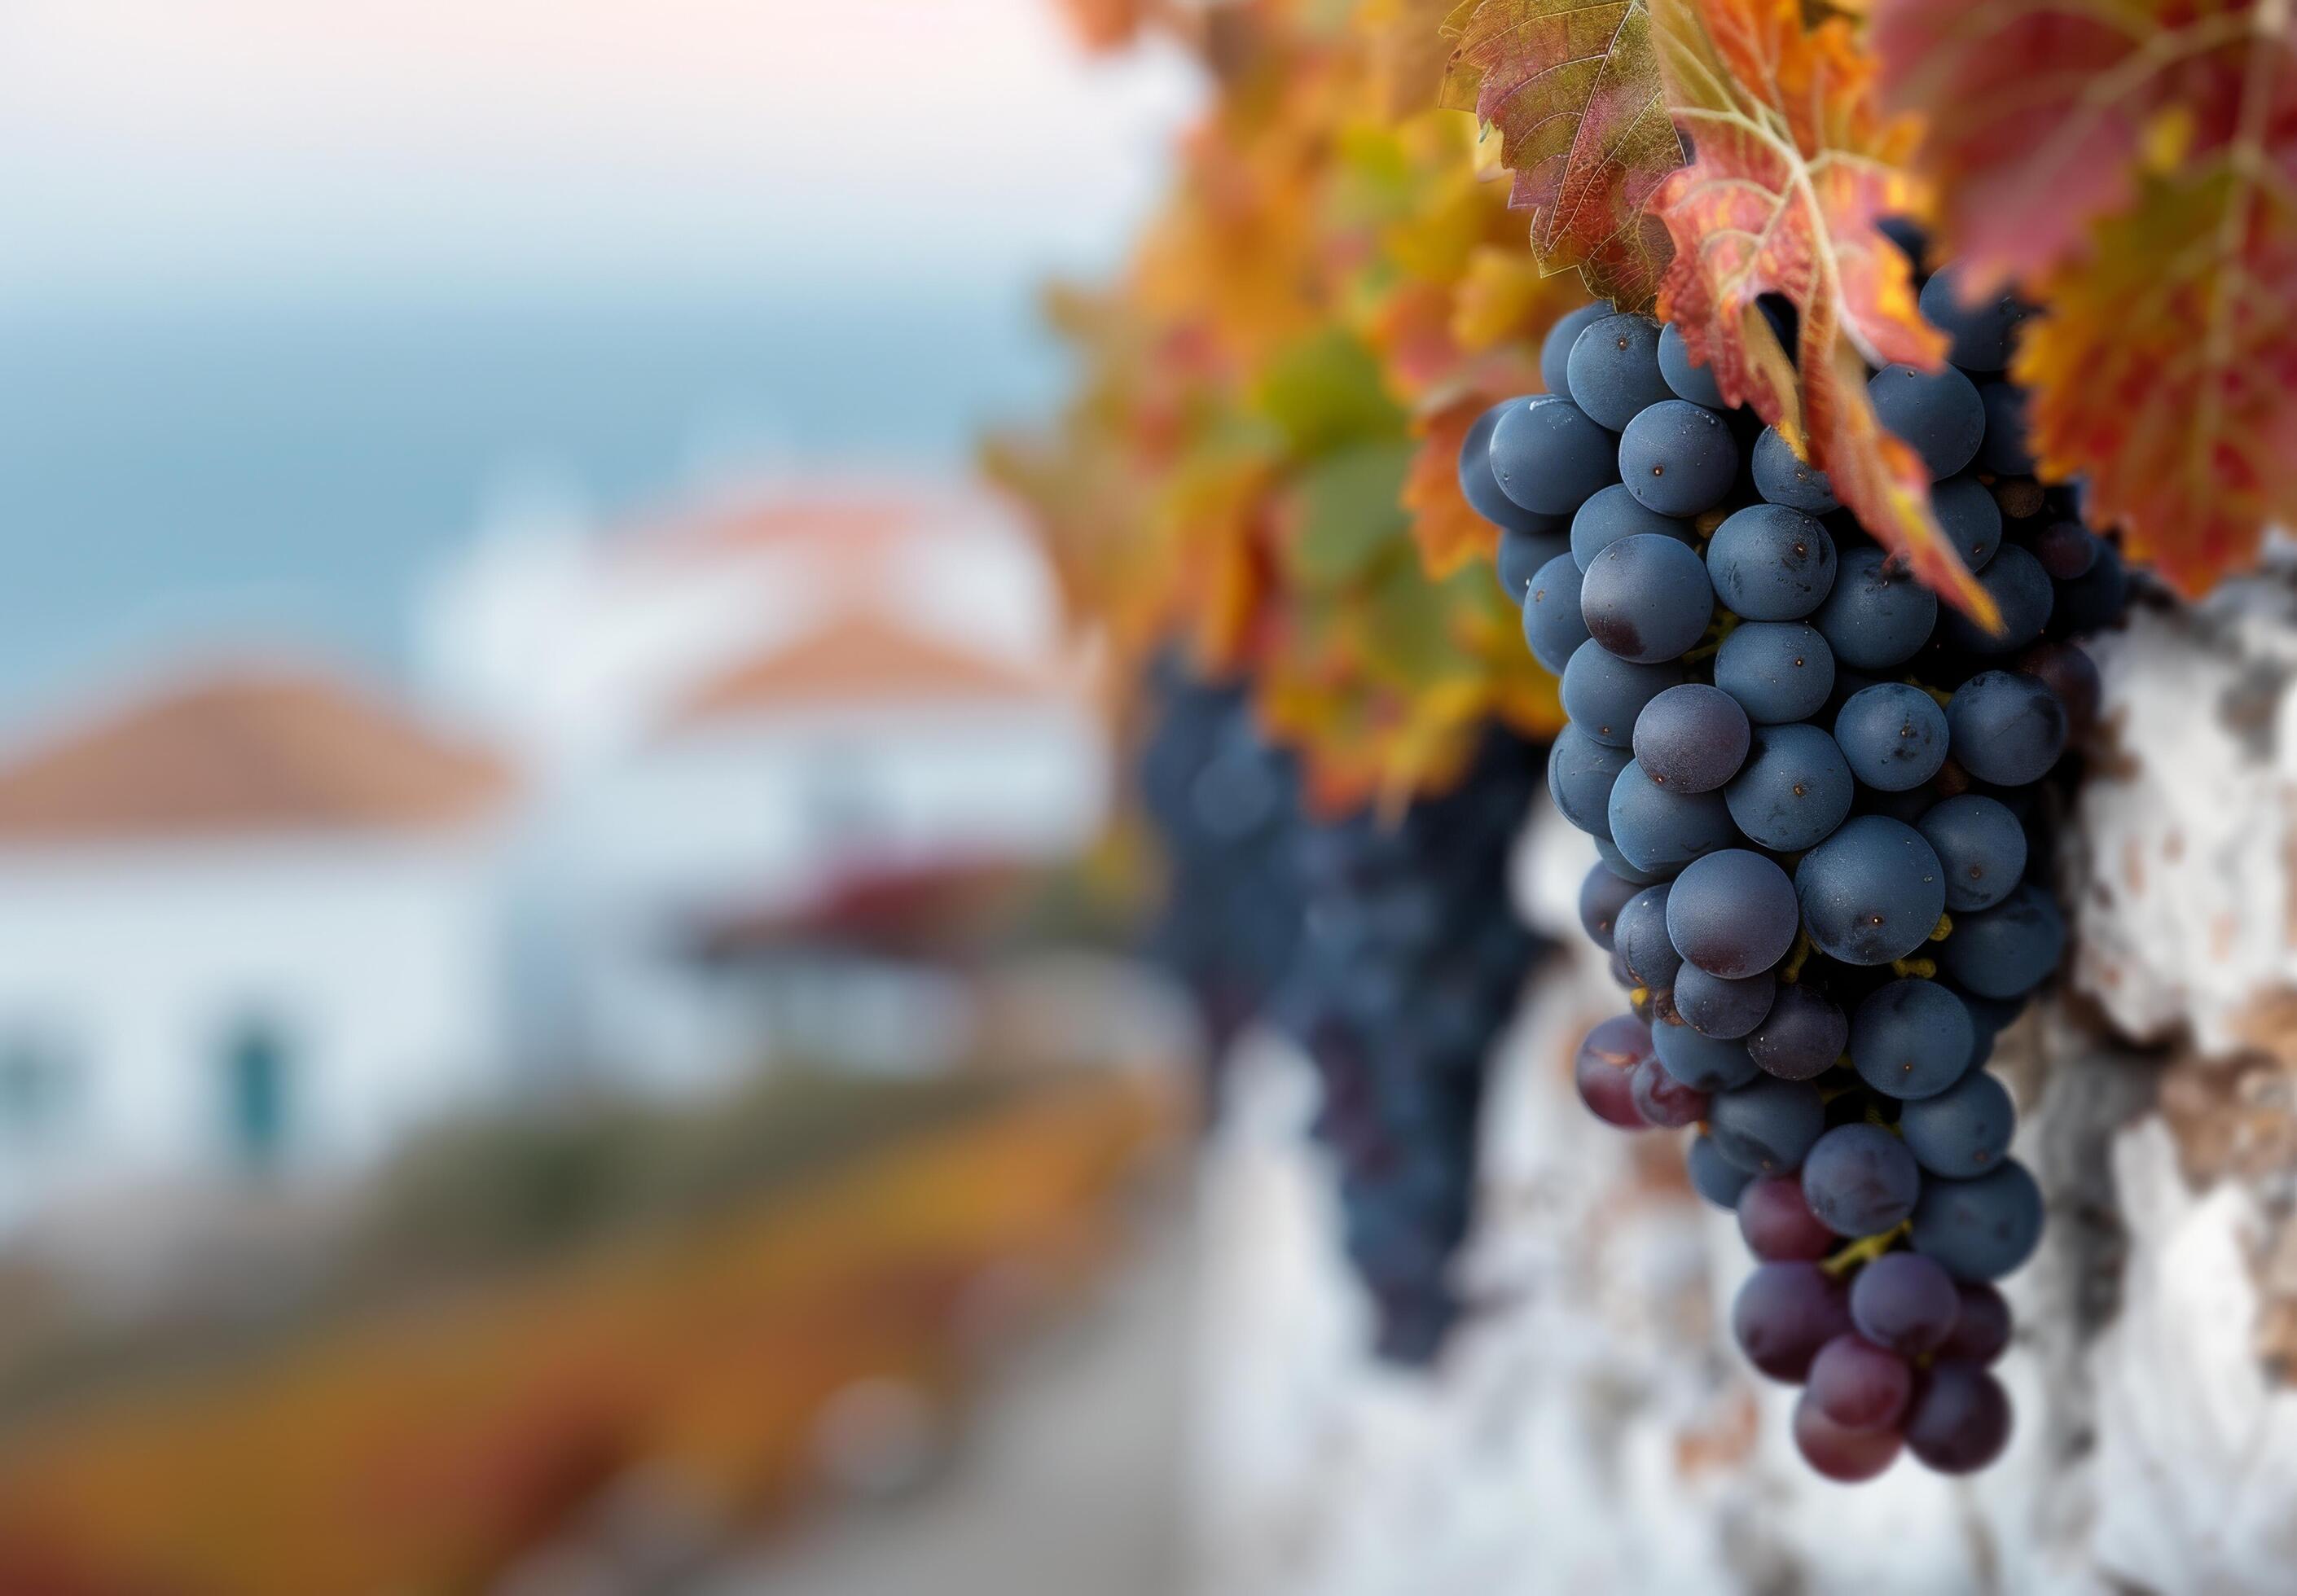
<point x="37" y="1077"/>
<point x="257" y="1065"/>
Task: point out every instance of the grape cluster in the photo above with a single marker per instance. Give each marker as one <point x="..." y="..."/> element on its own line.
<point x="1814" y="794"/>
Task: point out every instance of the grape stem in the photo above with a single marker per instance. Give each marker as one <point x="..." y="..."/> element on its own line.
<point x="1865" y="1249"/>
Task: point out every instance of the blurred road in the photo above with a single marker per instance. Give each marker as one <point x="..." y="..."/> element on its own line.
<point x="1065" y="1480"/>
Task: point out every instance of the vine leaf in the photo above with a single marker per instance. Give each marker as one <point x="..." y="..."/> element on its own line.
<point x="2135" y="167"/>
<point x="1795" y="167"/>
<point x="1574" y="91"/>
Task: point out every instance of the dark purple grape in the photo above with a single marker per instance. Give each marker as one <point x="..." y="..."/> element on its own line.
<point x="1905" y="1303"/>
<point x="1963" y="1131"/>
<point x="1980" y="845"/>
<point x="1910" y="1039"/>
<point x="1481" y="489"/>
<point x="2068" y="672"/>
<point x="1661" y="830"/>
<point x="1783" y="478"/>
<point x="1767" y="1125"/>
<point x="2007" y="950"/>
<point x="1688" y="380"/>
<point x="1662" y="1099"/>
<point x="1646" y="598"/>
<point x="1778" y="670"/>
<point x="1776" y="1223"/>
<point x="1970" y="519"/>
<point x="1614" y="514"/>
<point x="2005" y="451"/>
<point x="1981" y="1324"/>
<point x="1770" y="562"/>
<point x="2066" y="550"/>
<point x="1520" y="557"/>
<point x="1860" y="1180"/>
<point x="1555" y="349"/>
<point x="1959" y="1421"/>
<point x="1802" y="1037"/>
<point x="1613" y="369"/>
<point x="2097" y="599"/>
<point x="1859" y="1385"/>
<point x="1692" y="737"/>
<point x="1893" y="735"/>
<point x="1726" y="1009"/>
<point x="1548" y="455"/>
<point x="2007" y="729"/>
<point x="1702" y="1063"/>
<point x="1846" y="1456"/>
<point x="1605" y="1066"/>
<point x="1732" y="913"/>
<point x="1712" y="1175"/>
<point x="2021" y="589"/>
<point x="1979" y="1229"/>
<point x="1678" y="457"/>
<point x="1794" y="789"/>
<point x="1601" y="896"/>
<point x="1783" y="1313"/>
<point x="1872" y="893"/>
<point x="1552" y="624"/>
<point x="1876" y="615"/>
<point x="1937" y="412"/>
<point x="1640" y="935"/>
<point x="1980" y="331"/>
<point x="1580" y="771"/>
<point x="1602" y="694"/>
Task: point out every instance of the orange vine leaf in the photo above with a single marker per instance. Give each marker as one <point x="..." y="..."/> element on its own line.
<point x="1795" y="166"/>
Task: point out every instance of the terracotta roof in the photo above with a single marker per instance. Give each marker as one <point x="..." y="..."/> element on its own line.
<point x="860" y="524"/>
<point x="859" y="659"/>
<point x="245" y="751"/>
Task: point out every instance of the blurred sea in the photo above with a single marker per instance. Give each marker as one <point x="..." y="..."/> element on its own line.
<point x="211" y="473"/>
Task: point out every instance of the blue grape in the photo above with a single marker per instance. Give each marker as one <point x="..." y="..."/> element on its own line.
<point x="1860" y="1180"/>
<point x="1481" y="489"/>
<point x="1905" y="1302"/>
<point x="1549" y="457"/>
<point x="2096" y="600"/>
<point x="1602" y="893"/>
<point x="2007" y="950"/>
<point x="1616" y="863"/>
<point x="1639" y="935"/>
<point x="1769" y="563"/>
<point x="1555" y="349"/>
<point x="1979" y="1229"/>
<point x="1871" y="893"/>
<point x="2008" y="728"/>
<point x="2005" y="451"/>
<point x="1703" y="1063"/>
<point x="1712" y="1176"/>
<point x="1613" y="369"/>
<point x="1767" y="1125"/>
<point x="1778" y="670"/>
<point x="1732" y="913"/>
<point x="1937" y="412"/>
<point x="1602" y="694"/>
<point x="1580" y="771"/>
<point x="1980" y="332"/>
<point x="1646" y="598"/>
<point x="1784" y="1313"/>
<point x="1893" y="735"/>
<point x="1910" y="1039"/>
<point x="1959" y="1421"/>
<point x="1661" y="830"/>
<point x="1724" y="1009"/>
<point x="1979" y="844"/>
<point x="1689" y="382"/>
<point x="2021" y="589"/>
<point x="1802" y="1037"/>
<point x="1908" y="806"/>
<point x="1876" y="615"/>
<point x="1612" y="514"/>
<point x="1678" y="457"/>
<point x="1520" y="557"/>
<point x="1963" y="1131"/>
<point x="1692" y="737"/>
<point x="1552" y="624"/>
<point x="1784" y="478"/>
<point x="1970" y="518"/>
<point x="1793" y="791"/>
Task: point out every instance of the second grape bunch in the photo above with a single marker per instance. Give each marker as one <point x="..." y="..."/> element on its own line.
<point x="1817" y="800"/>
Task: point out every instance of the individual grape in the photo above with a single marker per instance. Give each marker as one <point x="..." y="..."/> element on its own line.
<point x="1905" y="1302"/>
<point x="2072" y="674"/>
<point x="1802" y="1037"/>
<point x="1893" y="735"/>
<point x="1860" y="1386"/>
<point x="1784" y="1313"/>
<point x="1793" y="791"/>
<point x="2096" y="600"/>
<point x="1661" y="830"/>
<point x="2007" y="729"/>
<point x="2021" y="589"/>
<point x="1907" y="808"/>
<point x="1769" y="563"/>
<point x="1602" y="694"/>
<point x="1724" y="1009"/>
<point x="2005" y="451"/>
<point x="1981" y="1324"/>
<point x="1876" y="615"/>
<point x="1980" y="332"/>
<point x="1860" y="1180"/>
<point x="1964" y="1130"/>
<point x="1548" y="456"/>
<point x="1646" y="598"/>
<point x="1872" y="893"/>
<point x="1689" y="381"/>
<point x="1990" y="1016"/>
<point x="2007" y="950"/>
<point x="1981" y="1229"/>
<point x="1703" y="1063"/>
<point x="1606" y="1061"/>
<point x="1776" y="1223"/>
<point x="1580" y="771"/>
<point x="1678" y="457"/>
<point x="1959" y="1421"/>
<point x="2066" y="550"/>
<point x="1980" y="846"/>
<point x="1613" y="369"/>
<point x="1481" y="489"/>
<point x="1846" y="1456"/>
<point x="1520" y="557"/>
<point x="1910" y="1039"/>
<point x="1970" y="519"/>
<point x="1692" y="737"/>
<point x="1552" y="624"/>
<point x="1784" y="478"/>
<point x="1733" y="914"/>
<point x="1601" y="896"/>
<point x="1767" y="1125"/>
<point x="1555" y="349"/>
<point x="1937" y="412"/>
<point x="1640" y="937"/>
<point x="1662" y="1099"/>
<point x="1712" y="1176"/>
<point x="1778" y="670"/>
<point x="1612" y="514"/>
<point x="1616" y="863"/>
